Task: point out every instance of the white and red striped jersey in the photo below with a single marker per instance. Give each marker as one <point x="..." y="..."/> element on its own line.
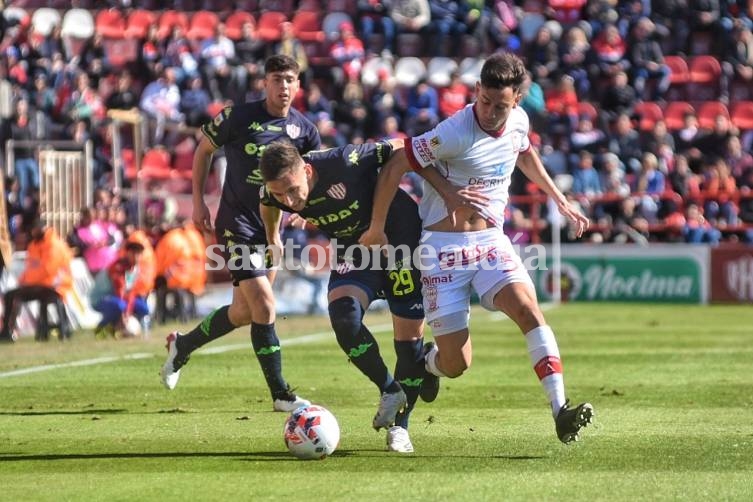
<point x="467" y="155"/>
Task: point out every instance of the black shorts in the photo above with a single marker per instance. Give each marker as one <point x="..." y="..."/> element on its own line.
<point x="242" y="248"/>
<point x="396" y="281"/>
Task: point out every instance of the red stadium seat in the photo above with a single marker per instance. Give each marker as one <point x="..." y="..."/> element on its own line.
<point x="170" y="18"/>
<point x="742" y="115"/>
<point x="674" y="114"/>
<point x="137" y="25"/>
<point x="268" y="28"/>
<point x="234" y="24"/>
<point x="307" y="26"/>
<point x="679" y="78"/>
<point x="155" y="164"/>
<point x="203" y="25"/>
<point x="705" y="74"/>
<point x="708" y="111"/>
<point x="649" y="114"/>
<point x="110" y="24"/>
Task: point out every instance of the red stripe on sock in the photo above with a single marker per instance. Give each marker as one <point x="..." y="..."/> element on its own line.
<point x="548" y="366"/>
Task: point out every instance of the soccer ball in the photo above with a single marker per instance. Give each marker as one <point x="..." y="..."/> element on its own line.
<point x="311" y="433"/>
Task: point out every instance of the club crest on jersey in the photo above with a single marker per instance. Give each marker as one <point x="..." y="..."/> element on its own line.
<point x="337" y="191"/>
<point x="293" y="130"/>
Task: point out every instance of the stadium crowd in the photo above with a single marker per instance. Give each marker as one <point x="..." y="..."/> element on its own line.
<point x="649" y="153"/>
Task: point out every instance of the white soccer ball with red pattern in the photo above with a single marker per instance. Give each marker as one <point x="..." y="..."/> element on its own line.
<point x="311" y="433"/>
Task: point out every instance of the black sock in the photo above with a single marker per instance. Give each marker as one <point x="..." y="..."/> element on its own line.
<point x="215" y="325"/>
<point x="346" y="316"/>
<point x="409" y="372"/>
<point x="267" y="350"/>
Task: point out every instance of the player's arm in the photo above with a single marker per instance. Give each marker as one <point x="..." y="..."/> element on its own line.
<point x="202" y="159"/>
<point x="271" y="217"/>
<point x="531" y="165"/>
<point x="387" y="185"/>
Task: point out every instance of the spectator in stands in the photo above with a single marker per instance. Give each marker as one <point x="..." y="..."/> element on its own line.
<point x="217" y="55"/>
<point x="410" y="16"/>
<point x="125" y="96"/>
<point x="95" y="240"/>
<point x="687" y="134"/>
<point x="23" y="127"/>
<point x="533" y="103"/>
<point x="696" y="229"/>
<point x="331" y="136"/>
<point x="562" y="104"/>
<point x="625" y="142"/>
<point x="93" y="60"/>
<point x="683" y="181"/>
<point x="14" y="208"/>
<point x="619" y="98"/>
<point x="316" y="102"/>
<point x="586" y="136"/>
<point x="713" y="144"/>
<point x="351" y="114"/>
<point x="46" y="278"/>
<point x="573" y="55"/>
<point x="566" y="12"/>
<point x="374" y="16"/>
<point x="290" y="46"/>
<point x="178" y="55"/>
<point x="385" y="100"/>
<point x="609" y="53"/>
<point x="391" y="129"/>
<point x="447" y="26"/>
<point x="453" y="97"/>
<point x="175" y="273"/>
<point x="84" y="103"/>
<point x="647" y="61"/>
<point x="542" y="58"/>
<point x="738" y="61"/>
<point x="503" y="24"/>
<point x="673" y="15"/>
<point x="649" y="184"/>
<point x="194" y="103"/>
<point x="613" y="176"/>
<point x="250" y="52"/>
<point x="43" y="98"/>
<point x="630" y="13"/>
<point x="705" y="19"/>
<point x="151" y="56"/>
<point x="349" y="54"/>
<point x="119" y="299"/>
<point x="586" y="181"/>
<point x="739" y="161"/>
<point x="720" y="186"/>
<point x="423" y="108"/>
<point x="161" y="102"/>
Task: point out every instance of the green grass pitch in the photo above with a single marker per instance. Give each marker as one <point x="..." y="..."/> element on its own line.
<point x="672" y="387"/>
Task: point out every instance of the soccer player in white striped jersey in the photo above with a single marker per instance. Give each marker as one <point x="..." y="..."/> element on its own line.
<point x="477" y="149"/>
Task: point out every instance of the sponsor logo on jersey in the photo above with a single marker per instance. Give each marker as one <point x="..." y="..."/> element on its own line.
<point x="430" y="297"/>
<point x="467" y="255"/>
<point x="316" y="201"/>
<point x="435" y="142"/>
<point x="353" y="157"/>
<point x="330" y="218"/>
<point x="516" y="138"/>
<point x="417" y="306"/>
<point x="337" y="191"/>
<point x="422" y="149"/>
<point x="274" y="128"/>
<point x="437" y="279"/>
<point x="486" y="182"/>
<point x="255" y="126"/>
<point x="293" y="130"/>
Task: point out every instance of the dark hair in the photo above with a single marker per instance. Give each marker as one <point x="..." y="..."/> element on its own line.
<point x="503" y="69"/>
<point x="280" y="63"/>
<point x="278" y="158"/>
<point x="136" y="247"/>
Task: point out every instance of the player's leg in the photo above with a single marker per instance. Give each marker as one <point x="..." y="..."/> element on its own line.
<point x="348" y="302"/>
<point x="410" y="373"/>
<point x="259" y="300"/>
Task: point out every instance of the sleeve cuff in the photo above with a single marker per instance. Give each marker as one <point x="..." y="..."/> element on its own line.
<point x="414" y="164"/>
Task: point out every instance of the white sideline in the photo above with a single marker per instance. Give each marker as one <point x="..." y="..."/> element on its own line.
<point x="299" y="340"/>
<point x="312" y="337"/>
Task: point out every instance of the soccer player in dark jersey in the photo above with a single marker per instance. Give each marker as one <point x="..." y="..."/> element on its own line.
<point x="333" y="189"/>
<point x="244" y="131"/>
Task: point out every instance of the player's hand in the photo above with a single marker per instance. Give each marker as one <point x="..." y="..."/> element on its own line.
<point x="295" y="220"/>
<point x="373" y="237"/>
<point x="575" y="216"/>
<point x="202" y="218"/>
<point x="463" y="201"/>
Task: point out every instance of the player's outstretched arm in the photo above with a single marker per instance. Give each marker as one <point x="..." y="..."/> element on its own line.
<point x="201" y="162"/>
<point x="531" y="165"/>
<point x="271" y="217"/>
<point x="387" y="184"/>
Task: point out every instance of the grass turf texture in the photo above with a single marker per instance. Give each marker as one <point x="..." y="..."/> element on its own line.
<point x="672" y="387"/>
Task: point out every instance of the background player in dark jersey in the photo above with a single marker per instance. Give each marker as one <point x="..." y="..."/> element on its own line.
<point x="244" y="131"/>
<point x="333" y="189"/>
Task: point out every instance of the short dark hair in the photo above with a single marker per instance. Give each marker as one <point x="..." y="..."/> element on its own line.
<point x="278" y="158"/>
<point x="280" y="63"/>
<point x="503" y="69"/>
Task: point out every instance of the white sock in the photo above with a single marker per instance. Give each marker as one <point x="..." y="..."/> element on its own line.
<point x="545" y="356"/>
<point x="431" y="362"/>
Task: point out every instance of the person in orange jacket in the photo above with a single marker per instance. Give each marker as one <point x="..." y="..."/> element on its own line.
<point x="46" y="277"/>
<point x="175" y="272"/>
<point x="198" y="258"/>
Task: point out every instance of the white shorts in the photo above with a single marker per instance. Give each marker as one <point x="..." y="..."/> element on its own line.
<point x="485" y="261"/>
